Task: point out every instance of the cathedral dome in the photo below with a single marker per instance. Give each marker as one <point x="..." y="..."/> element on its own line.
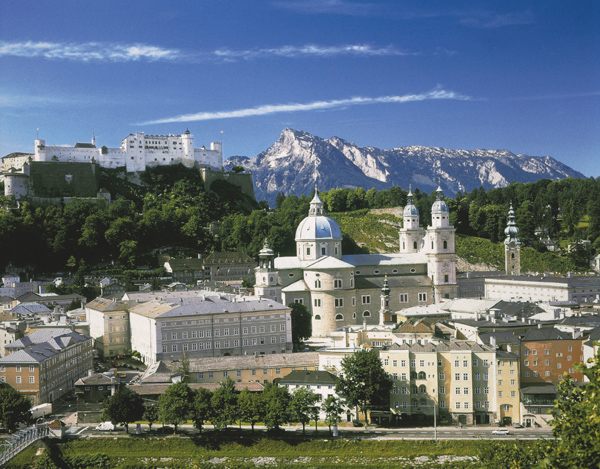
<point x="410" y="209"/>
<point x="318" y="227"/>
<point x="440" y="205"/>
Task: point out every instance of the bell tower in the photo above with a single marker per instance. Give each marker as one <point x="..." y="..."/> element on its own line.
<point x="512" y="246"/>
<point x="267" y="278"/>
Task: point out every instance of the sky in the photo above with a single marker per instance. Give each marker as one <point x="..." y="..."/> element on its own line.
<point x="517" y="75"/>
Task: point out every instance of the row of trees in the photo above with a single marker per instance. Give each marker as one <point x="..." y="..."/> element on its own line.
<point x="363" y="384"/>
<point x="275" y="406"/>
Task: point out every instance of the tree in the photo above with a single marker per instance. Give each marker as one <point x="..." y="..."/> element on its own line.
<point x="238" y="169"/>
<point x="184" y="368"/>
<point x="176" y="404"/>
<point x="151" y="415"/>
<point x="333" y="411"/>
<point x="123" y="407"/>
<point x="577" y="421"/>
<point x="302" y="402"/>
<point x="14" y="408"/>
<point x="277" y="406"/>
<point x="363" y="382"/>
<point x="250" y="407"/>
<point x="224" y="404"/>
<point x="202" y="407"/>
<point x="301" y="323"/>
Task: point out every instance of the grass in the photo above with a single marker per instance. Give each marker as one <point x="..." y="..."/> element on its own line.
<point x="179" y="452"/>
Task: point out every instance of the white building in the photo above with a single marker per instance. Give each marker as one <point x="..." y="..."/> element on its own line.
<point x="344" y="290"/>
<point x="137" y="152"/>
<point x="213" y="325"/>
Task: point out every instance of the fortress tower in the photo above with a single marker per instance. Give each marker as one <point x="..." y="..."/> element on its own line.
<point x="512" y="246"/>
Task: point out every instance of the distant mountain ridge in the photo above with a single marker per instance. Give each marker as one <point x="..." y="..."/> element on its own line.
<point x="298" y="160"/>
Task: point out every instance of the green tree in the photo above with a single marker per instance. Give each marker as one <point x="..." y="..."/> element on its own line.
<point x="202" y="407"/>
<point x="302" y="402"/>
<point x="301" y="323"/>
<point x="176" y="404"/>
<point x="123" y="407"/>
<point x="277" y="406"/>
<point x="14" y="408"/>
<point x="250" y="407"/>
<point x="224" y="404"/>
<point x="363" y="382"/>
<point x="238" y="169"/>
<point x="333" y="411"/>
<point x="577" y="421"/>
<point x="151" y="415"/>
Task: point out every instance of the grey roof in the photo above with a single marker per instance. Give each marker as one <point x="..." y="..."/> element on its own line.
<point x="575" y="281"/>
<point x="41" y="351"/>
<point x="446" y="346"/>
<point x="231" y="258"/>
<point x="549" y="388"/>
<point x="399" y="281"/>
<point x="593" y="336"/>
<point x="499" y="324"/>
<point x="502" y="337"/>
<point x="207" y="305"/>
<point x="30" y="309"/>
<point x="95" y="380"/>
<point x="324" y="378"/>
<point x="363" y="260"/>
<point x="107" y="304"/>
<point x="38" y="337"/>
<point x="546" y="333"/>
<point x="586" y="320"/>
<point x="245" y="362"/>
<point x="506" y="355"/>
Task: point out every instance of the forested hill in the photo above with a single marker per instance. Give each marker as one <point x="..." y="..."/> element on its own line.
<point x="171" y="210"/>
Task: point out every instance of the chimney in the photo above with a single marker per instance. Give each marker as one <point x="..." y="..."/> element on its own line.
<point x="539" y="325"/>
<point x="509" y="348"/>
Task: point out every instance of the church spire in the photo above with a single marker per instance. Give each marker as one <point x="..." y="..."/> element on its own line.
<point x="316" y="206"/>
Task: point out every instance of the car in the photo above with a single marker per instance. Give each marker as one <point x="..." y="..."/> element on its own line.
<point x="517" y="425"/>
<point x="105" y="426"/>
<point x="501" y="431"/>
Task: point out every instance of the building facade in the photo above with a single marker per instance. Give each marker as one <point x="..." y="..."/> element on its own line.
<point x="209" y="326"/>
<point x="343" y="290"/>
<point x="46" y="364"/>
<point x="109" y="326"/>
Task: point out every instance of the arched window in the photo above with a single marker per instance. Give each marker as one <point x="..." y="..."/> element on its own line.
<point x="423" y="389"/>
<point x="367" y="314"/>
<point x="422" y="375"/>
<point x="413" y="375"/>
<point x="318" y="317"/>
<point x="339" y="317"/>
<point x="415" y="404"/>
<point x="445" y="244"/>
<point x="317" y="283"/>
<point x="414" y="245"/>
<point x="512" y="255"/>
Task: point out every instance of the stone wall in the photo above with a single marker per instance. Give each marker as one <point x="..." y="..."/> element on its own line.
<point x="241" y="180"/>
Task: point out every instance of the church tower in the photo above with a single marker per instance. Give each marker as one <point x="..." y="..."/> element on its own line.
<point x="385" y="314"/>
<point x="440" y="249"/>
<point x="267" y="278"/>
<point x="512" y="246"/>
<point x="411" y="234"/>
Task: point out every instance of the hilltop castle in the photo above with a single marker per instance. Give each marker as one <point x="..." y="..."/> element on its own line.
<point x="63" y="174"/>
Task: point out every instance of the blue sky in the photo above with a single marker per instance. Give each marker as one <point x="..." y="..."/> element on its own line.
<point x="517" y="75"/>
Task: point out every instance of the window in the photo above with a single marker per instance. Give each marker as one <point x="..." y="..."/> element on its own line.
<point x="486" y="390"/>
<point x="465" y="390"/>
<point x="485" y="376"/>
<point x="465" y="363"/>
<point x="32" y="379"/>
<point x="446" y="280"/>
<point x="458" y="405"/>
<point x="535" y="352"/>
<point x="546" y="352"/>
<point x="499" y="382"/>
<point x="499" y="393"/>
<point x="526" y="362"/>
<point x="457" y="390"/>
<point x="534" y="362"/>
<point x="442" y="375"/>
<point x="339" y="302"/>
<point x="18" y="380"/>
<point x="339" y="317"/>
<point x="403" y="297"/>
<point x="366" y="299"/>
<point x="18" y="368"/>
<point x="486" y="363"/>
<point x="394" y="362"/>
<point x="477" y="390"/>
<point x="174" y="348"/>
<point x="317" y="302"/>
<point x="457" y="376"/>
<point x="317" y="283"/>
<point x="422" y="297"/>
<point x="442" y="389"/>
<point x="337" y="283"/>
<point x="395" y="376"/>
<point x="456" y="362"/>
<point x="421" y="362"/>
<point x="173" y="335"/>
<point x="412" y="362"/>
<point x="465" y="376"/>
<point x="403" y="363"/>
<point x="477" y="376"/>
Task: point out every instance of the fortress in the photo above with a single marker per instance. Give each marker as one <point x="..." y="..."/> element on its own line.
<point x="137" y="153"/>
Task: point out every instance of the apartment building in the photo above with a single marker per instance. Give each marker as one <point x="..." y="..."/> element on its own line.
<point x="212" y="325"/>
<point x="109" y="326"/>
<point x="46" y="364"/>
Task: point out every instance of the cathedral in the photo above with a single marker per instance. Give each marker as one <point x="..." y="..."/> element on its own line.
<point x="341" y="290"/>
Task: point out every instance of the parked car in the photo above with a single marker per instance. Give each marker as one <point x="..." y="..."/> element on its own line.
<point x="105" y="426"/>
<point x="501" y="431"/>
<point x="517" y="425"/>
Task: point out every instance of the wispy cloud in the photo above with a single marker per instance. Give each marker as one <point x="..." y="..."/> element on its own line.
<point x="489" y="19"/>
<point x="89" y="51"/>
<point x="107" y="52"/>
<point x="337" y="7"/>
<point x="314" y="106"/>
<point x="312" y="50"/>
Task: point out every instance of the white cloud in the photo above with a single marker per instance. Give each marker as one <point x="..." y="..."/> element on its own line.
<point x="107" y="52"/>
<point x="314" y="106"/>
<point x="89" y="51"/>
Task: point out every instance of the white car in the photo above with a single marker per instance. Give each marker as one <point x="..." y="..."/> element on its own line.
<point x="501" y="431"/>
<point x="105" y="426"/>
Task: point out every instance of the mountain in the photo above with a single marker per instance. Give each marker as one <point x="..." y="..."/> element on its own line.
<point x="298" y="160"/>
